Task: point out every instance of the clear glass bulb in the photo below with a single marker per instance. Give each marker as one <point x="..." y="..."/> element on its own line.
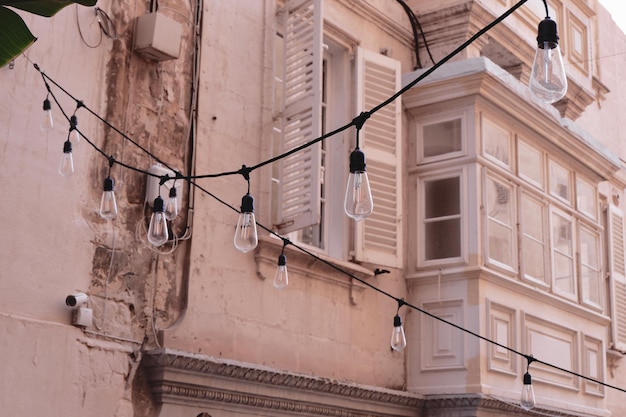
<point x="281" y="279"/>
<point x="398" y="338"/>
<point x="548" y="81"/>
<point x="108" y="205"/>
<point x="527" y="401"/>
<point x="157" y="231"/>
<point x="66" y="166"/>
<point x="171" y="208"/>
<point x="47" y="122"/>
<point x="74" y="134"/>
<point x="246" y="236"/>
<point x="358" y="202"/>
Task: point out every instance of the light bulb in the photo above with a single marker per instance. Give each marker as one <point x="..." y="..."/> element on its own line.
<point x="108" y="206"/>
<point x="66" y="167"/>
<point x="398" y="339"/>
<point x="47" y="122"/>
<point x="246" y="237"/>
<point x="527" y="401"/>
<point x="157" y="231"/>
<point x="358" y="203"/>
<point x="548" y="81"/>
<point x="74" y="134"/>
<point x="171" y="208"/>
<point x="281" y="280"/>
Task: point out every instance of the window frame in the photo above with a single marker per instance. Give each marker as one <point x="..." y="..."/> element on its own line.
<point x="437" y="118"/>
<point x="513" y="219"/>
<point x="461" y="174"/>
<point x="544" y="283"/>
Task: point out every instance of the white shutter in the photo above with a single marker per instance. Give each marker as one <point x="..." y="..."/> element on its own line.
<point x="617" y="276"/>
<point x="299" y="180"/>
<point x="379" y="237"/>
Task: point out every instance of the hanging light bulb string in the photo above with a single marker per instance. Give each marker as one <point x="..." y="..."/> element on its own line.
<point x="246" y="171"/>
<point x="274" y="159"/>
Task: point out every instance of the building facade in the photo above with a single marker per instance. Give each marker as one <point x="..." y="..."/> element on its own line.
<point x="497" y="234"/>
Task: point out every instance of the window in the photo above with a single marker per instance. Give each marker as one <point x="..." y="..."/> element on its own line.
<point x="319" y="87"/>
<point x="442" y="138"/>
<point x="586" y="198"/>
<point x="590" y="271"/>
<point x="562" y="254"/>
<point x="501" y="247"/>
<point x="531" y="164"/>
<point x="533" y="238"/>
<point x="442" y="218"/>
<point x="496" y="142"/>
<point x="560" y="182"/>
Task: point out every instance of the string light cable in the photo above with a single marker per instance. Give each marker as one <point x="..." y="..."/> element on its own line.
<point x="246" y="170"/>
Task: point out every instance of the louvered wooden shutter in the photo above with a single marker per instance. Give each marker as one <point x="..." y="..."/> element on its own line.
<point x="379" y="237"/>
<point x="299" y="180"/>
<point x="617" y="274"/>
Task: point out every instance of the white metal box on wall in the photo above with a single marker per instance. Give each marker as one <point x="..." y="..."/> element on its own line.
<point x="158" y="37"/>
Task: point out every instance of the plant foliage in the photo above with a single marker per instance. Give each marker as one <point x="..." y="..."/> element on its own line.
<point x="15" y="37"/>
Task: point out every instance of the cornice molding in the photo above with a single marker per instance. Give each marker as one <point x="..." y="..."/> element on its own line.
<point x="181" y="377"/>
<point x="184" y="379"/>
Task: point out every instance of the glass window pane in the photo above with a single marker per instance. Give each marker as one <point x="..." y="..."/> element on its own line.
<point x="590" y="267"/>
<point x="530" y="163"/>
<point x="560" y="181"/>
<point x="442" y="197"/>
<point x="563" y="278"/>
<point x="562" y="234"/>
<point x="500" y="215"/>
<point x="497" y="142"/>
<point x="442" y="138"/>
<point x="499" y="201"/>
<point x="562" y="255"/>
<point x="534" y="259"/>
<point x="534" y="237"/>
<point x="586" y="198"/>
<point x="443" y="239"/>
<point x="500" y="243"/>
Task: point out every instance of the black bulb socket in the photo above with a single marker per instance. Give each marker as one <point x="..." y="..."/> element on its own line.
<point x="158" y="206"/>
<point x="357" y="161"/>
<point x="172" y="192"/>
<point x="73" y="122"/>
<point x="247" y="204"/>
<point x="397" y="321"/>
<point x="46" y="105"/>
<point x="282" y="260"/>
<point x="547" y="33"/>
<point x="108" y="184"/>
<point x="67" y="147"/>
<point x="527" y="379"/>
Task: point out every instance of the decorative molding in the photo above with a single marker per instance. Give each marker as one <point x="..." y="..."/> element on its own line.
<point x="181" y="379"/>
<point x="189" y="379"/>
<point x="441" y="406"/>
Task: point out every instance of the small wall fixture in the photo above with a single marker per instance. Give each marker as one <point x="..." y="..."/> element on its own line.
<point x="158" y="37"/>
<point x="82" y="316"/>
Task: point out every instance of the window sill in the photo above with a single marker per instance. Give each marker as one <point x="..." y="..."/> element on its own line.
<point x="325" y="269"/>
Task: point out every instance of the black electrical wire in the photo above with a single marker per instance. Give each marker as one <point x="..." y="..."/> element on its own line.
<point x="358" y="121"/>
<point x="413" y="21"/>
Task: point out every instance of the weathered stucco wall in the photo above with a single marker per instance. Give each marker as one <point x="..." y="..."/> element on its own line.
<point x="56" y="243"/>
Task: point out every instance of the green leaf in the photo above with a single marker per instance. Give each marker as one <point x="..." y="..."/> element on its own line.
<point x="45" y="8"/>
<point x="15" y="36"/>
